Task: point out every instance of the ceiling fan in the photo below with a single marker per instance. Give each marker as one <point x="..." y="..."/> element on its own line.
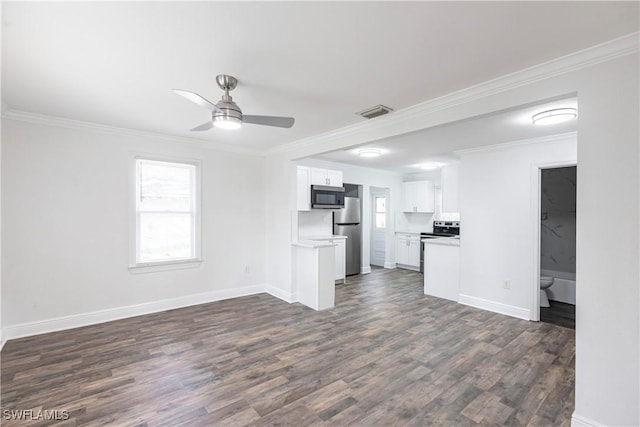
<point x="226" y="114"/>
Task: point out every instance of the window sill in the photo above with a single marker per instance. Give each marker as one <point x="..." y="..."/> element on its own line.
<point x="153" y="267"/>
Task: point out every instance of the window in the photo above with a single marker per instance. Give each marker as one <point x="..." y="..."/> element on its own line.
<point x="166" y="212"/>
<point x="381" y="212"/>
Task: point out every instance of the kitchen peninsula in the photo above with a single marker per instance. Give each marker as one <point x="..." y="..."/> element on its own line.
<point x="442" y="267"/>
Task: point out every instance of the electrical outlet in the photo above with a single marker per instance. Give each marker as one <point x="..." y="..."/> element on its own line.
<point x="506" y="284"/>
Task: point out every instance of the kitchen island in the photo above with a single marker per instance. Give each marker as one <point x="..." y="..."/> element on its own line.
<point x="314" y="273"/>
<point x="442" y="267"/>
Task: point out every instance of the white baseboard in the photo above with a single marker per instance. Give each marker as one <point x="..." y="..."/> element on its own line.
<point x="92" y="318"/>
<point x="580" y="421"/>
<point x="389" y="265"/>
<point x="280" y="294"/>
<point x="365" y="270"/>
<point x="3" y="339"/>
<point x="495" y="307"/>
<point x="407" y="267"/>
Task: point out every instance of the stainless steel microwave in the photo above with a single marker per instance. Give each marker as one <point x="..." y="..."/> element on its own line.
<point x="325" y="197"/>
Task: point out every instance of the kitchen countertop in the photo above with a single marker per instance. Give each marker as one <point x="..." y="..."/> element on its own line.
<point x="444" y="241"/>
<point x="331" y="237"/>
<point x="409" y="232"/>
<point x="312" y="244"/>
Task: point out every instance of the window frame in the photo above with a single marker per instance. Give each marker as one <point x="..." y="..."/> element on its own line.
<point x="134" y="229"/>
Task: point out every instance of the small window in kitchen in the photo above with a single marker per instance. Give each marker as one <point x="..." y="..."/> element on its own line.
<point x="381" y="212"/>
<point x="167" y="213"/>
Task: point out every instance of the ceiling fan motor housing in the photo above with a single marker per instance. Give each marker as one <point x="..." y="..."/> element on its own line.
<point x="228" y="115"/>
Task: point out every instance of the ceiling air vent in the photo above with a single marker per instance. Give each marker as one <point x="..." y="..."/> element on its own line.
<point x="378" y="110"/>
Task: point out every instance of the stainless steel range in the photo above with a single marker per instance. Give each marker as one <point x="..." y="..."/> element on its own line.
<point x="440" y="229"/>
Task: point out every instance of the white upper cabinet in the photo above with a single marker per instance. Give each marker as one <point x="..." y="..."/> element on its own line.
<point x="450" y="188"/>
<point x="304" y="189"/>
<point x="329" y="177"/>
<point x="418" y="197"/>
<point x="335" y="178"/>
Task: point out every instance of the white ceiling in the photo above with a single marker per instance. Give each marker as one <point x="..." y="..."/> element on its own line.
<point x="406" y="153"/>
<point x="114" y="63"/>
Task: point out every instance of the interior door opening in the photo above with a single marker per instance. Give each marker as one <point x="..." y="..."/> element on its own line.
<point x="557" y="245"/>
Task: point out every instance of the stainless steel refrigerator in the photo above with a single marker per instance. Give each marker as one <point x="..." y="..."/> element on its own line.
<point x="346" y="222"/>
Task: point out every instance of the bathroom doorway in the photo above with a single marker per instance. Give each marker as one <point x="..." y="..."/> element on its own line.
<point x="557" y="245"/>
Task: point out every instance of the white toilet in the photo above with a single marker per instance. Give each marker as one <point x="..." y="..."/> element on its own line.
<point x="545" y="283"/>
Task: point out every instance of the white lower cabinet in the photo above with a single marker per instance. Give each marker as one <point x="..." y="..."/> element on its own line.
<point x="408" y="250"/>
<point x="341" y="254"/>
<point x="414" y="253"/>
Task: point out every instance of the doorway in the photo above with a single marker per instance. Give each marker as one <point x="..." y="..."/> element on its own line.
<point x="557" y="245"/>
<point x="379" y="223"/>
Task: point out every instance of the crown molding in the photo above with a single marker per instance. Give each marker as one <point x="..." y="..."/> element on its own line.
<point x="44" y="119"/>
<point x="519" y="143"/>
<point x="588" y="57"/>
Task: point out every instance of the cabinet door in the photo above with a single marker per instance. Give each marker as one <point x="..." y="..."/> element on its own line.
<point x="425" y="197"/>
<point x="414" y="253"/>
<point x="402" y="250"/>
<point x="409" y="197"/>
<point x="319" y="176"/>
<point x="450" y="188"/>
<point x="304" y="189"/>
<point x="335" y="178"/>
<point x="340" y="259"/>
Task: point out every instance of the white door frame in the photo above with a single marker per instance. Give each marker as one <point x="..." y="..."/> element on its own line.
<point x="536" y="186"/>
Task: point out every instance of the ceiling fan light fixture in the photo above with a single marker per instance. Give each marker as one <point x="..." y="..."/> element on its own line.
<point x="369" y="152"/>
<point x="226" y="114"/>
<point x="229" y="122"/>
<point x="557" y="115"/>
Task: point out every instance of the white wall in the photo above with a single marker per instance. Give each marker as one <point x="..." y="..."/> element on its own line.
<point x="496" y="210"/>
<point x="608" y="297"/>
<point x="65" y="222"/>
<point x="607" y="267"/>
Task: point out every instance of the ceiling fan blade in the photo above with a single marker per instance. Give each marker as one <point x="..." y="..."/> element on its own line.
<point x="204" y="126"/>
<point x="280" y="122"/>
<point x="194" y="97"/>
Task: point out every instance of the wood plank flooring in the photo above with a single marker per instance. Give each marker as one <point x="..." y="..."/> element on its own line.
<point x="386" y="355"/>
<point x="559" y="313"/>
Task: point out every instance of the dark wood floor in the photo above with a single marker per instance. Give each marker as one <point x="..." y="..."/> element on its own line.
<point x="560" y="314"/>
<point x="386" y="355"/>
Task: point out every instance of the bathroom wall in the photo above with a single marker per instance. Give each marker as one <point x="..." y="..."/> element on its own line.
<point x="558" y="222"/>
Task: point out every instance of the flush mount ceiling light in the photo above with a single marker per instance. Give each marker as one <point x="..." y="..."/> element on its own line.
<point x="551" y="117"/>
<point x="431" y="166"/>
<point x="369" y="152"/>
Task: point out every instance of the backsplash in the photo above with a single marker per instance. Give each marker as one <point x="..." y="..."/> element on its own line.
<point x="558" y="220"/>
<point x="318" y="222"/>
